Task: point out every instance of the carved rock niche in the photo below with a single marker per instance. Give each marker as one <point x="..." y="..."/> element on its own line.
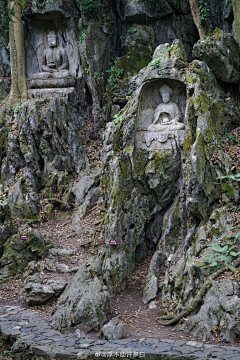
<point x="38" y="53"/>
<point x="161" y="115"/>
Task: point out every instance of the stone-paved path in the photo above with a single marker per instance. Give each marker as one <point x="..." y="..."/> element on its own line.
<point x="26" y="336"/>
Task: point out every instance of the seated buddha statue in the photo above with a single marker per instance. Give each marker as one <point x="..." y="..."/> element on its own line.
<point x="167" y="115"/>
<point x="54" y="61"/>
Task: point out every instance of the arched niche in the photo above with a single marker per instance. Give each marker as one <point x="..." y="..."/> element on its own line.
<point x="37" y="28"/>
<point x="165" y="135"/>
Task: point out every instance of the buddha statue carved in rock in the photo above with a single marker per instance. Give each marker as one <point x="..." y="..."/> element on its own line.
<point x="54" y="60"/>
<point x="167" y="115"/>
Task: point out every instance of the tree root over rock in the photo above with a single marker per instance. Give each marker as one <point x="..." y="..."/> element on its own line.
<point x="198" y="297"/>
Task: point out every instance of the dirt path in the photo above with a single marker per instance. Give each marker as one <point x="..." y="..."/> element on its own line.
<point x="140" y="321"/>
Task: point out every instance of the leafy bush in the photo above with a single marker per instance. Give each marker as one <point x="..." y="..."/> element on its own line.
<point x="81" y="36"/>
<point x="204" y="10"/>
<point x="224" y="255"/>
<point x="229" y="185"/>
<point x="115" y="74"/>
<point x="89" y="5"/>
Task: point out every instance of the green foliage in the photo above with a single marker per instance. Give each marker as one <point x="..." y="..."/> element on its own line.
<point x="130" y="29"/>
<point x="97" y="76"/>
<point x="117" y="118"/>
<point x="99" y="310"/>
<point x="9" y="352"/>
<point x="231" y="138"/>
<point x="89" y="5"/>
<point x="81" y="36"/>
<point x="16" y="110"/>
<point x="229" y="185"/>
<point x="204" y="10"/>
<point x="224" y="255"/>
<point x="7" y="14"/>
<point x="115" y="74"/>
<point x="42" y="4"/>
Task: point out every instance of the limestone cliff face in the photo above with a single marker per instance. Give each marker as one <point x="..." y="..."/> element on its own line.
<point x="161" y="189"/>
<point x="162" y="153"/>
<point x="107" y="43"/>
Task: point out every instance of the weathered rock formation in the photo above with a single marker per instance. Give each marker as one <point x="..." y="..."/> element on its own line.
<point x="162" y="152"/>
<point x="19" y="250"/>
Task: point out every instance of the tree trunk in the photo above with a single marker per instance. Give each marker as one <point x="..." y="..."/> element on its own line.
<point x="202" y="28"/>
<point x="236" y="14"/>
<point x="18" y="91"/>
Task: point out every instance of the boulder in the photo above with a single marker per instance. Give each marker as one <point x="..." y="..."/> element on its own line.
<point x="150" y="289"/>
<point x="80" y="334"/>
<point x="48" y="212"/>
<point x="20" y="249"/>
<point x="38" y="293"/>
<point x="85" y="301"/>
<point x="57" y="285"/>
<point x="84" y="185"/>
<point x="218" y="315"/>
<point x="220" y="52"/>
<point x="151" y="284"/>
<point x="113" y="330"/>
<point x="38" y="290"/>
<point x="90" y="200"/>
<point x="62" y="253"/>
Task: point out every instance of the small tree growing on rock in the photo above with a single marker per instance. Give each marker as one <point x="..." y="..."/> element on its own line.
<point x="200" y="11"/>
<point x="18" y="91"/>
<point x="13" y="20"/>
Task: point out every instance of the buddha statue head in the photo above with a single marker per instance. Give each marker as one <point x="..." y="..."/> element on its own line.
<point x="165" y="92"/>
<point x="52" y="39"/>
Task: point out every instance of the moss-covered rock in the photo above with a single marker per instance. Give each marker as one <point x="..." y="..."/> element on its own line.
<point x="187" y="273"/>
<point x="220" y="312"/>
<point x="6" y="226"/>
<point x="162" y="197"/>
<point x="40" y="150"/>
<point x="220" y="52"/>
<point x="85" y="301"/>
<point x="138" y="184"/>
<point x="139" y="44"/>
<point x="19" y="250"/>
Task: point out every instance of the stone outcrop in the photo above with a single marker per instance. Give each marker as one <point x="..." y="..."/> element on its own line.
<point x="113" y="330"/>
<point x="39" y="290"/>
<point x="151" y="283"/>
<point x="156" y="177"/>
<point x="85" y="301"/>
<point x="19" y="250"/>
<point x="221" y="53"/>
<point x="219" y="313"/>
<point x="41" y="148"/>
<point x="141" y="185"/>
<point x="6" y="226"/>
